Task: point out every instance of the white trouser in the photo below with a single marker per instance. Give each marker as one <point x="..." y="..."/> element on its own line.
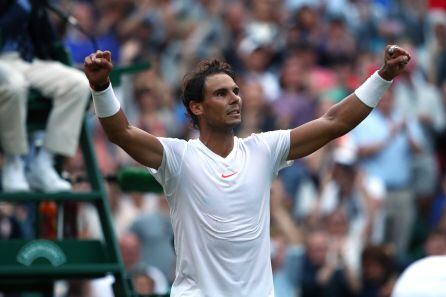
<point x="66" y="86"/>
<point x="399" y="207"/>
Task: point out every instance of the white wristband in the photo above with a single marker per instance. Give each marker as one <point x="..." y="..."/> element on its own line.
<point x="371" y="91"/>
<point x="105" y="102"/>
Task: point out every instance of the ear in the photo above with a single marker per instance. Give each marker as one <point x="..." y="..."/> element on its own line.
<point x="196" y="108"/>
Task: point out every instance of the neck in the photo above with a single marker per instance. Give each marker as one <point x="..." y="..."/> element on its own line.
<point x="220" y="142"/>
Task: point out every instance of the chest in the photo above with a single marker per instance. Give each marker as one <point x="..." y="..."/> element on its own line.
<point x="224" y="187"/>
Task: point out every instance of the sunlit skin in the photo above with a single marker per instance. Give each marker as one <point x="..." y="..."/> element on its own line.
<point x="219" y="112"/>
<point x="222" y="103"/>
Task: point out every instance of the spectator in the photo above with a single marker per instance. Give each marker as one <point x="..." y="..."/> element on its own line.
<point x="435" y="244"/>
<point x="155" y="234"/>
<point x="323" y="271"/>
<point x="436" y="50"/>
<point x="386" y="142"/>
<point x="81" y="45"/>
<point x="378" y="273"/>
<point x="306" y="28"/>
<point x="146" y="279"/>
<point x="155" y="105"/>
<point x="235" y="27"/>
<point x="347" y="246"/>
<point x="130" y="249"/>
<point x="359" y="196"/>
<point x="149" y="281"/>
<point x="9" y="226"/>
<point x="256" y="57"/>
<point x="287" y="248"/>
<point x="257" y="113"/>
<point x="143" y="283"/>
<point x="337" y="45"/>
<point x="417" y="98"/>
<point x="294" y="107"/>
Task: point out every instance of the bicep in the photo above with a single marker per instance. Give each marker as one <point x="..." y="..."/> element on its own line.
<point x="140" y="145"/>
<point x="143" y="147"/>
<point x="309" y="137"/>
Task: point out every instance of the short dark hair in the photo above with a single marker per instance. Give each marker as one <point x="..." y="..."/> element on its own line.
<point x="193" y="83"/>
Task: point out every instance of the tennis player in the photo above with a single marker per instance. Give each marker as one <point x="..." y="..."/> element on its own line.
<point x="218" y="185"/>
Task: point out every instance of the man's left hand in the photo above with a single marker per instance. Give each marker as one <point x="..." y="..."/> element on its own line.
<point x="395" y="60"/>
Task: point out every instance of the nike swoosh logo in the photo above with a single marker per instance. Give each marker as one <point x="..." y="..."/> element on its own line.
<point x="226" y="176"/>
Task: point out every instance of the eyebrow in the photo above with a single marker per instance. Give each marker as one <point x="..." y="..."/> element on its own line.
<point x="226" y="89"/>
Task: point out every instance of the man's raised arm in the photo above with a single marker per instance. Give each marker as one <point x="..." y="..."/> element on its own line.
<point x="140" y="145"/>
<point x="347" y="114"/>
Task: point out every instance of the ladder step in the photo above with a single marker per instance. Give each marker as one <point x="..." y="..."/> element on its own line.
<point x="47" y="256"/>
<point x="60" y="196"/>
<point x="66" y="271"/>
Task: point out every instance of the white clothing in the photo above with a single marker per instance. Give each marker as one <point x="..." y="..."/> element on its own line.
<point x="103" y="287"/>
<point x="420" y="98"/>
<point x="66" y="86"/>
<point x="219" y="209"/>
<point x="424" y="278"/>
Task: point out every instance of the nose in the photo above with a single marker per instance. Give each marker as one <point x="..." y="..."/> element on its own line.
<point x="234" y="98"/>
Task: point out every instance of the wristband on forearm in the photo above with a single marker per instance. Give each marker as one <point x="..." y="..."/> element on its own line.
<point x="371" y="91"/>
<point x="105" y="102"/>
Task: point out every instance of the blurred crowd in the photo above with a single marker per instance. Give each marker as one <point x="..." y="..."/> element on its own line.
<point x="346" y="220"/>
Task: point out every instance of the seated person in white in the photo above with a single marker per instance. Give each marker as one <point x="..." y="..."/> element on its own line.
<point x="20" y="69"/>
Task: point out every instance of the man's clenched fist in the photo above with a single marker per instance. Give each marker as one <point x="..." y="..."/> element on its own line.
<point x="97" y="67"/>
<point x="395" y="60"/>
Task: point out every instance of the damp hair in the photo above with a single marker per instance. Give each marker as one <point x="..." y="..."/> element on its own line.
<point x="193" y="83"/>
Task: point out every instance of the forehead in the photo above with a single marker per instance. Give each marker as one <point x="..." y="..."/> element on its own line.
<point x="218" y="81"/>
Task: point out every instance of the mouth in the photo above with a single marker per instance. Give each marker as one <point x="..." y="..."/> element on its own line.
<point x="234" y="112"/>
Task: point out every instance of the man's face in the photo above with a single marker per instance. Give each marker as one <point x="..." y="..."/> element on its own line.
<point x="435" y="245"/>
<point x="317" y="247"/>
<point x="343" y="176"/>
<point x="221" y="105"/>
